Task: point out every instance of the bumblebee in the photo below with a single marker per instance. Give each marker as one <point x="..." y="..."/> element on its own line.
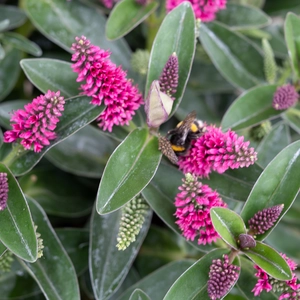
<point x="177" y="142"/>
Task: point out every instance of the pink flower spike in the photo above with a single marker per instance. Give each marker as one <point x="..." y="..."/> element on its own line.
<point x="3" y="190"/>
<point x="205" y="10"/>
<point x="33" y="127"/>
<point x="105" y="83"/>
<point x="193" y="204"/>
<point x="217" y="151"/>
<point x="285" y="97"/>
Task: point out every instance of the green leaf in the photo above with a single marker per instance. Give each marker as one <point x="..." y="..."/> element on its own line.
<point x="20" y="42"/>
<point x="5" y="111"/>
<point x="278" y="184"/>
<point x="292" y="117"/>
<point x="75" y="241"/>
<point x="251" y="108"/>
<point x="270" y="261"/>
<point x="247" y="281"/>
<point x="192" y="284"/>
<point x="228" y="224"/>
<point x="292" y="38"/>
<point x="278" y="138"/>
<point x="51" y="74"/>
<point x="18" y="284"/>
<point x="244" y="69"/>
<point x="54" y="272"/>
<point x="78" y="112"/>
<point x="125" y="16"/>
<point x="238" y="16"/>
<point x="129" y="169"/>
<point x="4" y="24"/>
<point x="2" y="52"/>
<point x="161" y="193"/>
<point x="278" y="7"/>
<point x="2" y="249"/>
<point x="15" y="16"/>
<point x="157" y="284"/>
<point x="10" y="71"/>
<point x="74" y="18"/>
<point x="176" y="34"/>
<point x="234" y="184"/>
<point x="17" y="233"/>
<point x="139" y="295"/>
<point x="84" y="153"/>
<point x="59" y="193"/>
<point x="108" y="265"/>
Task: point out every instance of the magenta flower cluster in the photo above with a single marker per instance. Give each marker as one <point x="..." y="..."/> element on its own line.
<point x="168" y="80"/>
<point x="289" y="289"/>
<point x="105" y="82"/>
<point x="193" y="204"/>
<point x="265" y="219"/>
<point x="285" y="97"/>
<point x="217" y="151"/>
<point x="222" y="276"/>
<point x="3" y="190"/>
<point x="205" y="10"/>
<point x="34" y="126"/>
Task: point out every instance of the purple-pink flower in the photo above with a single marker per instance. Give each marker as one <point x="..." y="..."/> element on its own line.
<point x="222" y="276"/>
<point x="217" y="151"/>
<point x="285" y="97"/>
<point x="289" y="289"/>
<point x="34" y="126"/>
<point x="105" y="82"/>
<point x="204" y="9"/>
<point x="3" y="190"/>
<point x="193" y="204"/>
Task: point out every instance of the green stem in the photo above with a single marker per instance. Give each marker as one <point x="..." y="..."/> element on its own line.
<point x="233" y="254"/>
<point x="12" y="155"/>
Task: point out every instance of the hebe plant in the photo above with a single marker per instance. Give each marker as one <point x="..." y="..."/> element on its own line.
<point x="89" y="206"/>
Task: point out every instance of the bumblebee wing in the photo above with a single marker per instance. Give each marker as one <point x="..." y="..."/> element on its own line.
<point x="165" y="147"/>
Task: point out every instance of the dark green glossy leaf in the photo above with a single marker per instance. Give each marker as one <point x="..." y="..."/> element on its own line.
<point x="18" y="284"/>
<point x="292" y="216"/>
<point x="51" y="74"/>
<point x="125" y="16"/>
<point x="192" y="284"/>
<point x="273" y="143"/>
<point x="139" y="295"/>
<point x="292" y="32"/>
<point x="4" y="24"/>
<point x="278" y="184"/>
<point x="19" y="234"/>
<point x="157" y="284"/>
<point x="269" y="260"/>
<point x="247" y="281"/>
<point x="234" y="184"/>
<point x="54" y="271"/>
<point x="292" y="117"/>
<point x="251" y="108"/>
<point x="161" y="193"/>
<point x="20" y="42"/>
<point x="78" y="112"/>
<point x="129" y="169"/>
<point x="84" y="153"/>
<point x="242" y="16"/>
<point x="15" y="16"/>
<point x="228" y="224"/>
<point x="176" y="34"/>
<point x="76" y="243"/>
<point x="2" y="249"/>
<point x="285" y="239"/>
<point x="10" y="71"/>
<point x="109" y="266"/>
<point x="238" y="59"/>
<point x="74" y="18"/>
<point x="59" y="193"/>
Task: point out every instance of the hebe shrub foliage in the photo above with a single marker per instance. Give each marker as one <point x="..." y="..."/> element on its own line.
<point x="103" y="196"/>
